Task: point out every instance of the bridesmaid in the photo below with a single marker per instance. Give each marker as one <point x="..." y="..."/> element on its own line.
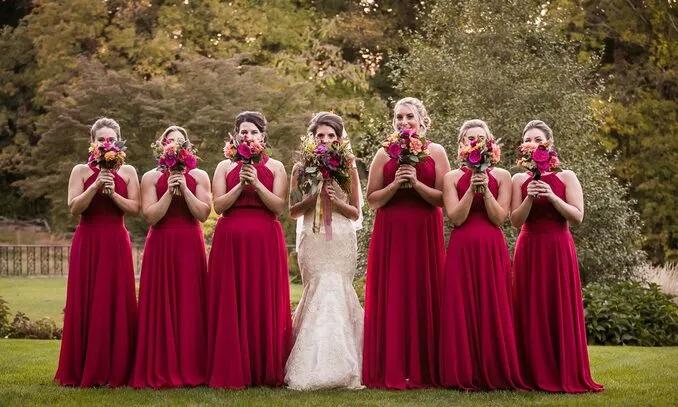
<point x="549" y="313"/>
<point x="405" y="263"/>
<point x="249" y="316"/>
<point x="100" y="316"/>
<point x="477" y="346"/>
<point x="170" y="348"/>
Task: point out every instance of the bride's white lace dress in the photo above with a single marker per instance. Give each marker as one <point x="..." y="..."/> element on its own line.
<point x="328" y="323"/>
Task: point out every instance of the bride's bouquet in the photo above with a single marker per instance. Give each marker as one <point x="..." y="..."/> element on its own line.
<point x="109" y="155"/>
<point x="321" y="164"/>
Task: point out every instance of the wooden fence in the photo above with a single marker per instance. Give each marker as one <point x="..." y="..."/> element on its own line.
<point x="48" y="260"/>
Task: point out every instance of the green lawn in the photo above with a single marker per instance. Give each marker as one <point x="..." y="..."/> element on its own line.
<point x="632" y="376"/>
<point x="37" y="297"/>
<point x="40" y="297"/>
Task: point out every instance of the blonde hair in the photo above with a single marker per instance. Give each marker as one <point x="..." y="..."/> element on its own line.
<point x="104" y="122"/>
<point x="419" y="110"/>
<point x="470" y="124"/>
<point x="171" y="129"/>
<point x="540" y="125"/>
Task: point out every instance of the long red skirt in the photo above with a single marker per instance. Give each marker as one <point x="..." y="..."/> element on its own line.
<point x="249" y="316"/>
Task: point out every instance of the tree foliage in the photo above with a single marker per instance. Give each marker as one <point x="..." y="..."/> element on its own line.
<point x="497" y="61"/>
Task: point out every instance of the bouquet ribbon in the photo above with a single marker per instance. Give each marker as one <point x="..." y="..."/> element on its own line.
<point x="323" y="209"/>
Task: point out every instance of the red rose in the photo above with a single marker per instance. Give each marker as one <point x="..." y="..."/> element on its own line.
<point x="244" y="151"/>
<point x="394" y="150"/>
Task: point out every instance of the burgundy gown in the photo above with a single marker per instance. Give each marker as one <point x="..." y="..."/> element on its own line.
<point x="249" y="315"/>
<point x="477" y="343"/>
<point x="171" y="343"/>
<point x="97" y="346"/>
<point x="404" y="266"/>
<point x="548" y="306"/>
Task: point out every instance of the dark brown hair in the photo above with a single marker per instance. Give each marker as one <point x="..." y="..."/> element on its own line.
<point x="327" y="119"/>
<point x="255" y="118"/>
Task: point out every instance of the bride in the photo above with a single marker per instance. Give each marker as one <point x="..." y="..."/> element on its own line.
<point x="328" y="323"/>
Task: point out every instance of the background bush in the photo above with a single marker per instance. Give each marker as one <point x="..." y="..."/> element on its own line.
<point x="630" y="313"/>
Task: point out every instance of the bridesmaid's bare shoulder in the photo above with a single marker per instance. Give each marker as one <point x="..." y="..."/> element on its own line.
<point x="128" y="172"/>
<point x="501" y="174"/>
<point x="224" y="166"/>
<point x="520" y="177"/>
<point x="276" y="166"/>
<point x="199" y="174"/>
<point x="150" y="178"/>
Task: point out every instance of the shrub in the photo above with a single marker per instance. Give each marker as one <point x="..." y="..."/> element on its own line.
<point x="630" y="313"/>
<point x="4" y="317"/>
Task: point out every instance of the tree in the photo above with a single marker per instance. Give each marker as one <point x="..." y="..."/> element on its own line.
<point x="496" y="61"/>
<point x="637" y="108"/>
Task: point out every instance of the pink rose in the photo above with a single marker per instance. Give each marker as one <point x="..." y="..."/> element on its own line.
<point x="394" y="150"/>
<point x="408" y="133"/>
<point x="190" y="161"/>
<point x="244" y="151"/>
<point x="475" y="157"/>
<point x="170" y="161"/>
<point x="541" y="155"/>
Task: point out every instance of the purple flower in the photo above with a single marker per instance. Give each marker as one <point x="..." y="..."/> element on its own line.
<point x="321" y="149"/>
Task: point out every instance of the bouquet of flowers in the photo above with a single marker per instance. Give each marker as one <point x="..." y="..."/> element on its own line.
<point x="538" y="158"/>
<point x="246" y="150"/>
<point x="480" y="155"/>
<point x="109" y="155"/>
<point x="407" y="147"/>
<point x="175" y="158"/>
<point x="322" y="164"/>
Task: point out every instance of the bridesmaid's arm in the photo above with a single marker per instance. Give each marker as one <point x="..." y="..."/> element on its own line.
<point x="129" y="205"/>
<point x="307" y="202"/>
<point x="572" y="208"/>
<point x="351" y="209"/>
<point x="376" y="195"/>
<point x="433" y="196"/>
<point x="198" y="204"/>
<point x="276" y="200"/>
<point x="224" y="200"/>
<point x="79" y="198"/>
<point x="456" y="209"/>
<point x="520" y="208"/>
<point x="152" y="208"/>
<point x="497" y="209"/>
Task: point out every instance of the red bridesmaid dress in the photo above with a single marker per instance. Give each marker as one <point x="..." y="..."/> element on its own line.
<point x="404" y="265"/>
<point x="548" y="306"/>
<point x="249" y="315"/>
<point x="171" y="342"/>
<point x="477" y="343"/>
<point x="97" y="346"/>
